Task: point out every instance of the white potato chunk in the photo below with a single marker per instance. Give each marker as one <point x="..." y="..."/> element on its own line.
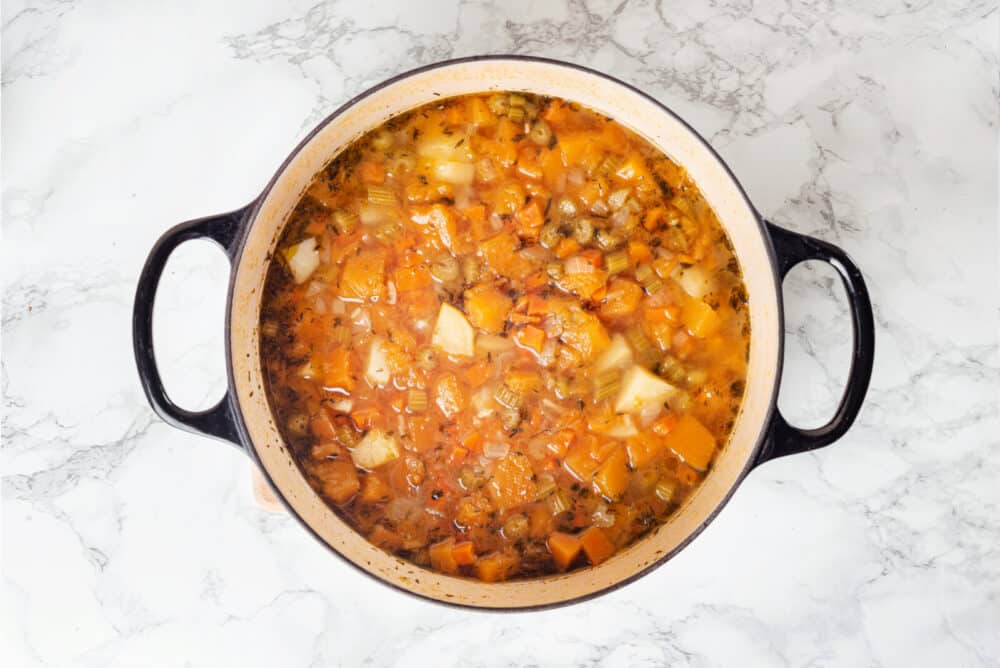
<point x="453" y="334"/>
<point x="377" y="371"/>
<point x="618" y="355"/>
<point x="374" y="450"/>
<point x="641" y="390"/>
<point x="302" y="259"/>
<point x="458" y="173"/>
<point x="695" y="281"/>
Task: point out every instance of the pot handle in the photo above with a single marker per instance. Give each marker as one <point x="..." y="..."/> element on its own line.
<point x="791" y="249"/>
<point x="218" y="421"/>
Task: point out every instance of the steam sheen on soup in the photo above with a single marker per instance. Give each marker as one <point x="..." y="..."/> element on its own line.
<point x="504" y="336"/>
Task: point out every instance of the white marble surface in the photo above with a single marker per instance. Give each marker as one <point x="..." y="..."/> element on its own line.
<point x="128" y="543"/>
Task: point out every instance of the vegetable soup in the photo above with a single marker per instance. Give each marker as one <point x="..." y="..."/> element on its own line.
<point x="504" y="336"/>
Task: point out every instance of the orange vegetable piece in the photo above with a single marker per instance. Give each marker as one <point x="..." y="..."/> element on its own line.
<point x="532" y="337"/>
<point x="412" y="278"/>
<point x="337" y="370"/>
<point x="531" y="219"/>
<point x="363" y="276"/>
<point x="528" y="163"/>
<point x="480" y="114"/>
<point x="579" y="462"/>
<point x="439" y="218"/>
<point x="638" y="252"/>
<point x="464" y="553"/>
<point x="664" y="425"/>
<point x="643" y="448"/>
<point x="449" y="395"/>
<point x="322" y="426"/>
<point x="479" y="373"/>
<point x="477" y="220"/>
<point x="692" y="441"/>
<point x="561" y="441"/>
<point x="508" y="198"/>
<point x="566" y="247"/>
<point x="443" y="557"/>
<point x="611" y="479"/>
<point x="582" y="331"/>
<point x="700" y="319"/>
<point x="596" y="545"/>
<point x="500" y="254"/>
<point x="653" y="217"/>
<point x="364" y="416"/>
<point x="496" y="566"/>
<point x="622" y="298"/>
<point x="584" y="285"/>
<point x="564" y="548"/>
<point x="487" y="307"/>
<point x="339" y="479"/>
<point x="458" y="454"/>
<point x="370" y="171"/>
<point x="512" y="483"/>
<point x="374" y="490"/>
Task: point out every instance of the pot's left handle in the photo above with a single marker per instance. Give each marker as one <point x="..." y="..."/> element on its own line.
<point x="791" y="249"/>
<point x="219" y="421"/>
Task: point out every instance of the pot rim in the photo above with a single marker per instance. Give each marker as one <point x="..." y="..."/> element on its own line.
<point x="250" y="216"/>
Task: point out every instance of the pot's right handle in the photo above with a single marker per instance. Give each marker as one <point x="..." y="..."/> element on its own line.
<point x="218" y="421"/>
<point x="791" y="249"/>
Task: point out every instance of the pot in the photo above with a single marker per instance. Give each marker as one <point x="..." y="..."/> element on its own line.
<point x="766" y="253"/>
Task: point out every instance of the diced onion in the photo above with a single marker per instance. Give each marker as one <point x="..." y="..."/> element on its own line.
<point x="578" y="265"/>
<point x="495" y="450"/>
<point x="302" y="259"/>
<point x="458" y="173"/>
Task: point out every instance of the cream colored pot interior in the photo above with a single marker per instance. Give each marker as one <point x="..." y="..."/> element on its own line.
<point x="610" y="98"/>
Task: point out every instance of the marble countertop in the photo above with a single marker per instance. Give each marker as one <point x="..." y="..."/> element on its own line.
<point x="129" y="543"/>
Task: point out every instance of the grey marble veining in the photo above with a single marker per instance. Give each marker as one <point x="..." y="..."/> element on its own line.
<point x="869" y="124"/>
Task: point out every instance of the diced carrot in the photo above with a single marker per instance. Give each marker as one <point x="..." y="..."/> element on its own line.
<point x="579" y="462"/>
<point x="692" y="441"/>
<point x="643" y="448"/>
<point x="440" y="220"/>
<point x="480" y="114"/>
<point x="363" y="275"/>
<point x="479" y="372"/>
<point x="370" y="171"/>
<point x="552" y="168"/>
<point x="477" y="220"/>
<point x="591" y="256"/>
<point x="556" y="112"/>
<point x="458" y="454"/>
<point x="564" y="548"/>
<point x="496" y="566"/>
<point x="508" y="198"/>
<point x="374" y="490"/>
<point x="622" y="298"/>
<point x="487" y="307"/>
<point x="633" y="169"/>
<point x="585" y="285"/>
<point x="687" y="475"/>
<point x="513" y="481"/>
<point x="531" y="219"/>
<point x="638" y="252"/>
<point x="322" y="426"/>
<point x="528" y="163"/>
<point x="561" y="440"/>
<point x="539" y="520"/>
<point x="575" y="147"/>
<point x="508" y="129"/>
<point x="531" y="337"/>
<point x="337" y="370"/>
<point x="412" y="278"/>
<point x="566" y="247"/>
<point x="442" y="557"/>
<point x="464" y="553"/>
<point x="651" y="220"/>
<point x="537" y="305"/>
<point x="700" y="318"/>
<point x="501" y="255"/>
<point x="664" y="425"/>
<point x="612" y="478"/>
<point x="364" y="416"/>
<point x="596" y="545"/>
<point x="425" y="193"/>
<point x="454" y="114"/>
<point x="339" y="479"/>
<point x="473" y="441"/>
<point x="423" y="433"/>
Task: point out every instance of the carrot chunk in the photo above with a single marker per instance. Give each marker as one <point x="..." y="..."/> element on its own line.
<point x="464" y="553"/>
<point x="596" y="545"/>
<point x="692" y="441"/>
<point x="443" y="557"/>
<point x="564" y="548"/>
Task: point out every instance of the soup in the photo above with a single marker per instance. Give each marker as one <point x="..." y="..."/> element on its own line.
<point x="504" y="336"/>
